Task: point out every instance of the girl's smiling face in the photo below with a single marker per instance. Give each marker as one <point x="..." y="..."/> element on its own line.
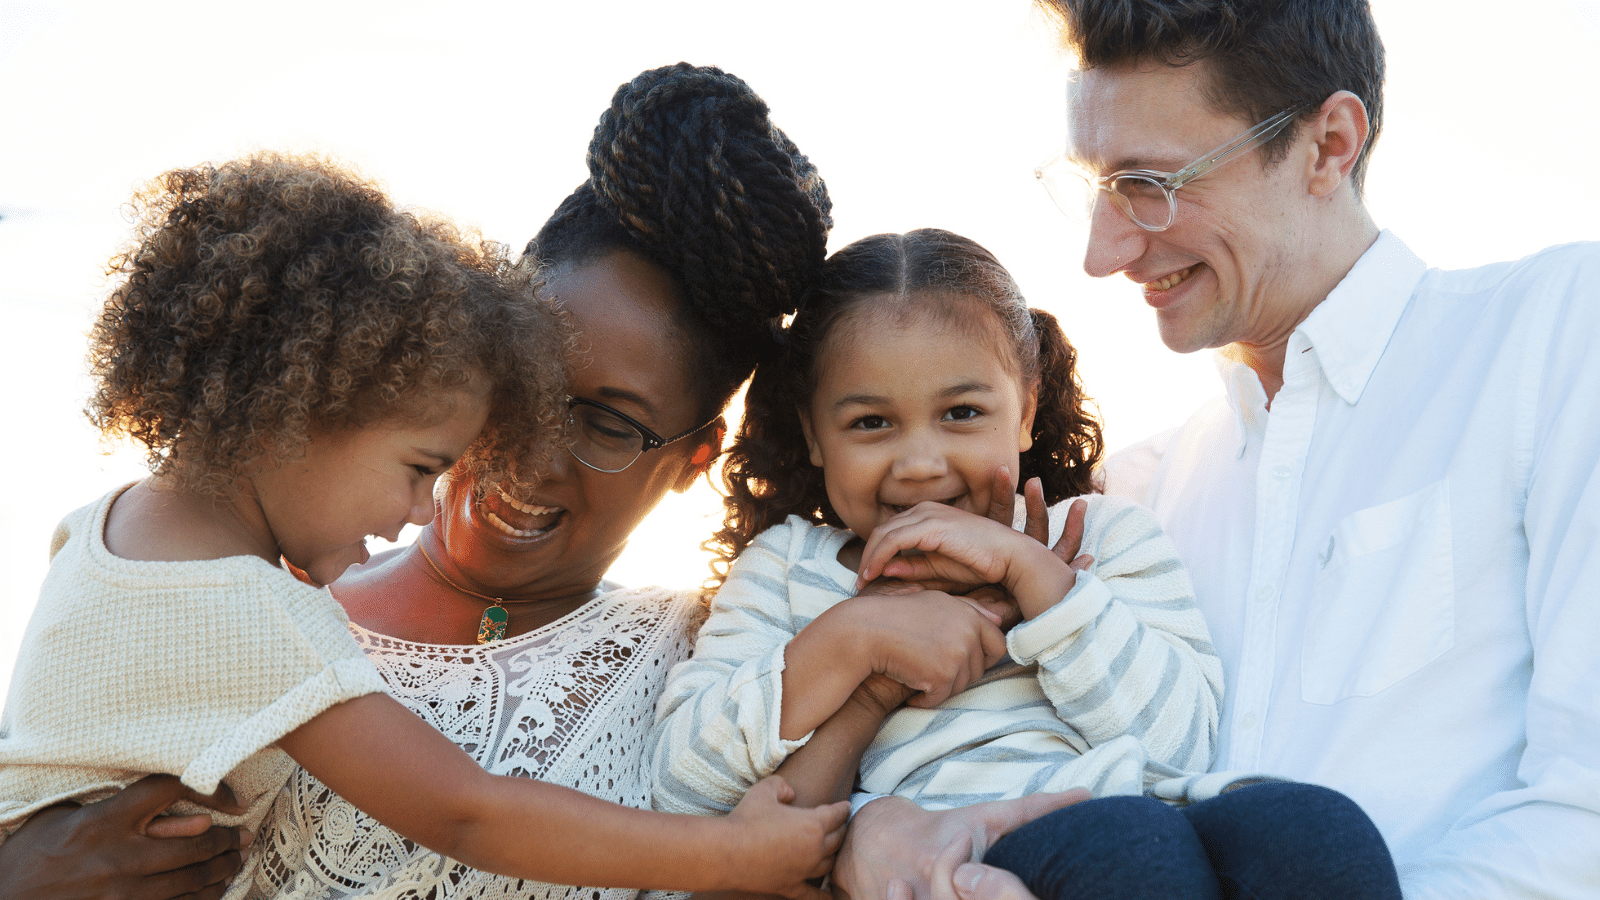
<point x="910" y="407"/>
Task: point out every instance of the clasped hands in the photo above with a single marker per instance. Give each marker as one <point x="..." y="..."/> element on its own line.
<point x="896" y="850"/>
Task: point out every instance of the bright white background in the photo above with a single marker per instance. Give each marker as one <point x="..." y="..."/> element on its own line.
<point x="917" y="113"/>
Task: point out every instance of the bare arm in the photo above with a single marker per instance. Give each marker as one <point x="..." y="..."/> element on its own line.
<point x="389" y="763"/>
<point x="824" y="770"/>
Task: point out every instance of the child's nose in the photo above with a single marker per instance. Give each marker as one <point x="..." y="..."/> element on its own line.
<point x="421" y="512"/>
<point x="920" y="459"/>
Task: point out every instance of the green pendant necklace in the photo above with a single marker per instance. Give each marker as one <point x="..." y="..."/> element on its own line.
<point x="492" y="627"/>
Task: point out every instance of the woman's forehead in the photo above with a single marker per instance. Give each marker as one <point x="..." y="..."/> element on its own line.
<point x="628" y="348"/>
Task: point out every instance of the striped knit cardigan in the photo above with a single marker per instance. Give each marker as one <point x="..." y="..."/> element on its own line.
<point x="1116" y="688"/>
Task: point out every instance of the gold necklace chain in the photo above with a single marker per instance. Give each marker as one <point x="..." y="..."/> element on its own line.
<point x="492" y="626"/>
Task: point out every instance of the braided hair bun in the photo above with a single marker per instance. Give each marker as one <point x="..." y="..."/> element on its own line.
<point x="687" y="170"/>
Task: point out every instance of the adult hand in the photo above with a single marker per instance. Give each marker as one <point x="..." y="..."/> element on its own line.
<point x="976" y="881"/>
<point x="955" y="878"/>
<point x="892" y="840"/>
<point x="122" y="847"/>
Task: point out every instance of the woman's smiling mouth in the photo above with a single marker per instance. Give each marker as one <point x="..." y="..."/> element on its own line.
<point x="516" y="518"/>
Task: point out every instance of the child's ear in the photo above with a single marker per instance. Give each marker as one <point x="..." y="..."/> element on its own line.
<point x="811" y="437"/>
<point x="1030" y="407"/>
<point x="706" y="451"/>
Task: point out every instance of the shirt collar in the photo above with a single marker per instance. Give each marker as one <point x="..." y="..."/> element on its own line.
<point x="1351" y="328"/>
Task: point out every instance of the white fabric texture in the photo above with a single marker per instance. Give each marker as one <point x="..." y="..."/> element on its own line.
<point x="570" y="703"/>
<point x="1111" y="689"/>
<point x="1398" y="562"/>
<point x="195" y="668"/>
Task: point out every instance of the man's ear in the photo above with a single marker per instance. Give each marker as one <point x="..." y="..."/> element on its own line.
<point x="811" y="436"/>
<point x="707" y="448"/>
<point x="1338" y="133"/>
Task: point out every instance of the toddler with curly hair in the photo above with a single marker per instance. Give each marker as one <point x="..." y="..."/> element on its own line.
<point x="914" y="382"/>
<point x="302" y="361"/>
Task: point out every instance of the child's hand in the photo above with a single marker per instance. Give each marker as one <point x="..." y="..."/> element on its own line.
<point x="780" y="846"/>
<point x="962" y="547"/>
<point x="929" y="641"/>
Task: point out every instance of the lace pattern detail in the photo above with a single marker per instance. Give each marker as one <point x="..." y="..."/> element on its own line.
<point x="571" y="703"/>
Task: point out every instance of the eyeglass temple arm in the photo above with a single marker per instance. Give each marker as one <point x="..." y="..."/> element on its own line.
<point x="1257" y="135"/>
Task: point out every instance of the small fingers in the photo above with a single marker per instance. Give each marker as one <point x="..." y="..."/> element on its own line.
<point x="1002" y="497"/>
<point x="1037" y="523"/>
<point x="983" y="608"/>
<point x="994" y="646"/>
<point x="1082" y="563"/>
<point x="1071" y="539"/>
<point x="838" y="816"/>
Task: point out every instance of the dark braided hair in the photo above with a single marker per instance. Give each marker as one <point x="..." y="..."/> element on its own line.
<point x="931" y="273"/>
<point x="687" y="171"/>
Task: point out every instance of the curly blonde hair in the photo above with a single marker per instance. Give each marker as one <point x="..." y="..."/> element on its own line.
<point x="274" y="296"/>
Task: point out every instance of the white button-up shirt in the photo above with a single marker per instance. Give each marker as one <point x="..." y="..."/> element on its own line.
<point x="1400" y="563"/>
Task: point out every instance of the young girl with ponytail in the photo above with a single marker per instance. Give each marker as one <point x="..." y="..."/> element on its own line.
<point x="872" y="545"/>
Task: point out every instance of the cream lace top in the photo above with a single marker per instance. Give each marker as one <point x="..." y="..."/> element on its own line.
<point x="571" y="703"/>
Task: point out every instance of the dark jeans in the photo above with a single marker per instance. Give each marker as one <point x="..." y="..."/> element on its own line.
<point x="1262" y="842"/>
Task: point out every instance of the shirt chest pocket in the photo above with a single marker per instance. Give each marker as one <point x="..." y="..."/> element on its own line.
<point x="1383" y="599"/>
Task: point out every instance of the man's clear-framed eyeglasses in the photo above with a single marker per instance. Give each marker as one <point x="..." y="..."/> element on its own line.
<point x="609" y="441"/>
<point x="1145" y="195"/>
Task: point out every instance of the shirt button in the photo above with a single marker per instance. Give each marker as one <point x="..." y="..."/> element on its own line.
<point x="1280" y="472"/>
<point x="1264" y="593"/>
<point x="1249" y="721"/>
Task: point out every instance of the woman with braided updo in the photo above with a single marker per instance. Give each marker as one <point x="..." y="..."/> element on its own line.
<point x="698" y="228"/>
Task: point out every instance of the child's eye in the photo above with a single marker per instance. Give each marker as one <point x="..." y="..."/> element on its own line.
<point x="962" y="413"/>
<point x="870" y="423"/>
<point x="425" y="471"/>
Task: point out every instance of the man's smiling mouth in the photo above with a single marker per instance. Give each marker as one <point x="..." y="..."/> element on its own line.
<point x="1171" y="281"/>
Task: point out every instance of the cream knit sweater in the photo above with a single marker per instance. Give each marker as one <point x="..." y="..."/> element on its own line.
<point x="130" y="667"/>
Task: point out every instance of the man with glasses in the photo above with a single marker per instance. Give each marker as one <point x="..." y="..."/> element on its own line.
<point x="1393" y="517"/>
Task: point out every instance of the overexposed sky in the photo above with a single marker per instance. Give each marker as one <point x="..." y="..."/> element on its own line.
<point x="917" y="114"/>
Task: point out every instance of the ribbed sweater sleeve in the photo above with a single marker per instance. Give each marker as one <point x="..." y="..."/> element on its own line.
<point x="1127" y="652"/>
<point x="717" y="724"/>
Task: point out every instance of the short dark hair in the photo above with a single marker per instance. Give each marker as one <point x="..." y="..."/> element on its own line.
<point x="687" y="170"/>
<point x="1266" y="56"/>
<point x="924" y="273"/>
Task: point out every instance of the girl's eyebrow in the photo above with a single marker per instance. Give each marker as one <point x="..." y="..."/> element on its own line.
<point x="967" y="387"/>
<point x="955" y="390"/>
<point x="859" y="400"/>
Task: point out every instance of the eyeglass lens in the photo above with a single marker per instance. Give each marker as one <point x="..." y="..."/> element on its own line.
<point x="602" y="440"/>
<point x="1074" y="193"/>
<point x="1142" y="198"/>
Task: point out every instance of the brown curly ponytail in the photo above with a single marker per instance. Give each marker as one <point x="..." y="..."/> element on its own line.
<point x="767" y="471"/>
<point x="687" y="170"/>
